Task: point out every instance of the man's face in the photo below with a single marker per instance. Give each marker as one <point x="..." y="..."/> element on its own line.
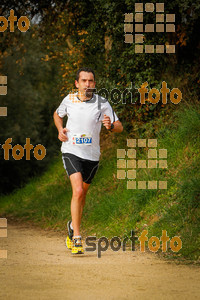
<point x="85" y="82"/>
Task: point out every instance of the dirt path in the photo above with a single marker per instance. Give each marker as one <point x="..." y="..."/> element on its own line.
<point x="40" y="267"/>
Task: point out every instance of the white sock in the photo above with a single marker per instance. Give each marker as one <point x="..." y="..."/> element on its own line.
<point x="71" y="226"/>
<point x="76" y="236"/>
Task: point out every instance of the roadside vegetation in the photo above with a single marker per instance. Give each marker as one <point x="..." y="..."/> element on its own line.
<point x="41" y="64"/>
<point x="112" y="209"/>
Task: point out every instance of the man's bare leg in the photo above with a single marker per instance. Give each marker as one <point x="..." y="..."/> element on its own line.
<point x="85" y="189"/>
<point x="79" y="191"/>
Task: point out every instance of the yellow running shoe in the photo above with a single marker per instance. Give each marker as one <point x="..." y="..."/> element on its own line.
<point x="77" y="246"/>
<point x="69" y="243"/>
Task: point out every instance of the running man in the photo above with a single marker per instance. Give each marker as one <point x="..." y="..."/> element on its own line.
<point x="86" y="111"/>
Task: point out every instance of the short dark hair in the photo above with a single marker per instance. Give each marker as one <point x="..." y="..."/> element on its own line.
<point x="89" y="70"/>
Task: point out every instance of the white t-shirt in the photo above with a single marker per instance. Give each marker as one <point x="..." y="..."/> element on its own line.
<point x="84" y="124"/>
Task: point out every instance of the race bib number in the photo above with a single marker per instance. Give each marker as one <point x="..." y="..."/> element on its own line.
<point x="82" y="139"/>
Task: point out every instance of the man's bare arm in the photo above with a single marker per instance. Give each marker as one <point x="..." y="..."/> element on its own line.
<point x="59" y="124"/>
<point x="117" y="124"/>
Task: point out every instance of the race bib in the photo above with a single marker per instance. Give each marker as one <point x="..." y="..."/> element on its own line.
<point x="82" y="139"/>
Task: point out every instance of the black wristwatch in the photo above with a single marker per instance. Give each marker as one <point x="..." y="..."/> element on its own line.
<point x="112" y="126"/>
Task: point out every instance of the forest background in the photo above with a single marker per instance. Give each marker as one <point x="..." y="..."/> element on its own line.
<point x="41" y="65"/>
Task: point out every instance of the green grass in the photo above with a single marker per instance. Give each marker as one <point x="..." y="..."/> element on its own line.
<point x="113" y="210"/>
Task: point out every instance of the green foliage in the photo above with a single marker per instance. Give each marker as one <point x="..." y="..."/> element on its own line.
<point x="113" y="210"/>
<point x="68" y="35"/>
<point x="180" y="215"/>
<point x="189" y="125"/>
<point x="30" y="108"/>
<point x="41" y="66"/>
